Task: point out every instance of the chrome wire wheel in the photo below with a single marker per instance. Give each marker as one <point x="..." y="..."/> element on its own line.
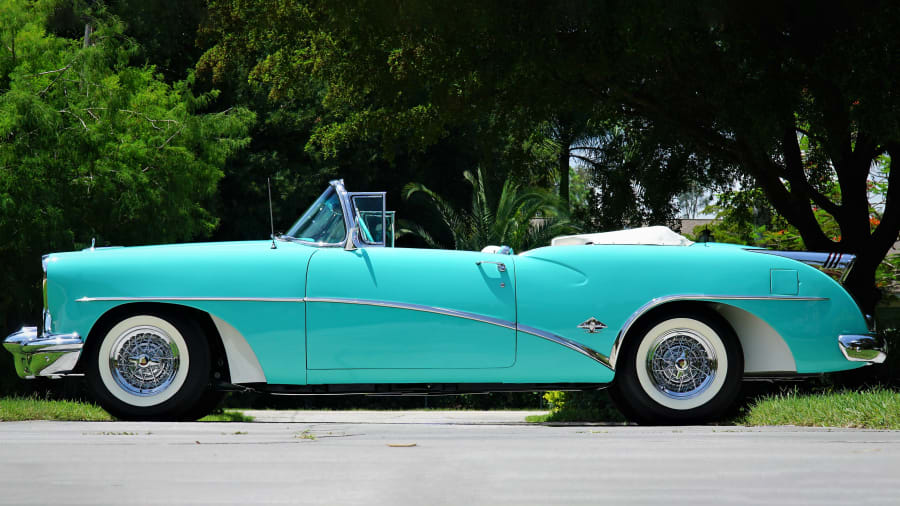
<point x="681" y="363"/>
<point x="144" y="360"/>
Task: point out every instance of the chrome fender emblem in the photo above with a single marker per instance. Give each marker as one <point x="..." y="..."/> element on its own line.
<point x="592" y="325"/>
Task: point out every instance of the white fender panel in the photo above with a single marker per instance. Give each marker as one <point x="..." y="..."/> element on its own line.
<point x="242" y="362"/>
<point x="764" y="349"/>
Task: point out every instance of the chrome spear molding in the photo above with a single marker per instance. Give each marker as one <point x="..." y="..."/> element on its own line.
<point x="833" y="260"/>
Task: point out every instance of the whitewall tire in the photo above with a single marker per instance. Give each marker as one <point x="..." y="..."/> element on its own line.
<point x="679" y="367"/>
<point x="152" y="366"/>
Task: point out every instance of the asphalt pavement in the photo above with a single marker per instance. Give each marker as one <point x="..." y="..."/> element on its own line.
<point x="437" y="458"/>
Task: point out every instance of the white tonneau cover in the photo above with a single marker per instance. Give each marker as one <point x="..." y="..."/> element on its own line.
<point x="658" y="236"/>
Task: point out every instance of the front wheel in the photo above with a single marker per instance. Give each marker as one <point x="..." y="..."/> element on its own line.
<point x="151" y="366"/>
<point x="679" y="368"/>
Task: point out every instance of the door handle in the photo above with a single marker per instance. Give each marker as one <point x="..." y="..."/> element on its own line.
<point x="501" y="267"/>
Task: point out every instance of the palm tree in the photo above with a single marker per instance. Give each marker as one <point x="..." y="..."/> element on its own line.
<point x="519" y="218"/>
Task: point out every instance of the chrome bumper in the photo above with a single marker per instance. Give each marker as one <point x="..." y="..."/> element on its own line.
<point x="44" y="355"/>
<point x="863" y="348"/>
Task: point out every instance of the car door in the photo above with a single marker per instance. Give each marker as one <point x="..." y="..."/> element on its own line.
<point x="399" y="308"/>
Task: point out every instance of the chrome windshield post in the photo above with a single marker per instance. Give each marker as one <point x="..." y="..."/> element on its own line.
<point x="349" y="244"/>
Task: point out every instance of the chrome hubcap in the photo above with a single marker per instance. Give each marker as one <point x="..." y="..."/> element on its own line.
<point x="681" y="363"/>
<point x="144" y="360"/>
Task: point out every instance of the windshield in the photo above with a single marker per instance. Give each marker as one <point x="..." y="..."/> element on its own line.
<point x="323" y="222"/>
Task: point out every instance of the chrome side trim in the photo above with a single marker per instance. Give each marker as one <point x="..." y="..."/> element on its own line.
<point x="568" y="343"/>
<point x="825" y="260"/>
<point x="191" y="299"/>
<point x="572" y="345"/>
<point x="613" y="355"/>
<point x="418" y="307"/>
<point x="863" y="348"/>
<point x="43" y="355"/>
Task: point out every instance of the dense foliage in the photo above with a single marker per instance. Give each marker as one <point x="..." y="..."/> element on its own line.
<point x="92" y="146"/>
<point x="794" y="96"/>
<point x="134" y="122"/>
<point x="519" y="218"/>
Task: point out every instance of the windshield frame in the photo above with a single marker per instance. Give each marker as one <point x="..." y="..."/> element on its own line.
<point x="336" y="186"/>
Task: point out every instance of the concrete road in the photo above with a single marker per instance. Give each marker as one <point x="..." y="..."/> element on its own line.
<point x="458" y="458"/>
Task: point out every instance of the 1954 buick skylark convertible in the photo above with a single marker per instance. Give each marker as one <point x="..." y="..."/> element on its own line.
<point x="672" y="327"/>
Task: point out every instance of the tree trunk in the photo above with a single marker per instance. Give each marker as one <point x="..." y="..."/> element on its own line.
<point x="563" y="168"/>
<point x="852" y="215"/>
<point x="88" y="30"/>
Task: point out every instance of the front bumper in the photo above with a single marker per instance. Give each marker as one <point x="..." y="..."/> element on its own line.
<point x="863" y="348"/>
<point x="44" y="355"/>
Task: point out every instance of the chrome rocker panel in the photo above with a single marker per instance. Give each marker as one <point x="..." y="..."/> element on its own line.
<point x="863" y="348"/>
<point x="44" y="355"/>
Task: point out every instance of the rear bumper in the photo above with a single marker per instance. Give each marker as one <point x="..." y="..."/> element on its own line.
<point x="863" y="348"/>
<point x="43" y="355"/>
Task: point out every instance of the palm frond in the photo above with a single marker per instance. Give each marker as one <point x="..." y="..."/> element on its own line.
<point x="518" y="217"/>
<point x="410" y="228"/>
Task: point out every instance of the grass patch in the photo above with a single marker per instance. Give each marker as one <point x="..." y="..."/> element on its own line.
<point x="597" y="415"/>
<point x="877" y="408"/>
<point x="227" y="416"/>
<point x="590" y="406"/>
<point x="14" y="409"/>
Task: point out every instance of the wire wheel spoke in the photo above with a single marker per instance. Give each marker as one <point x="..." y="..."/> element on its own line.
<point x="144" y="360"/>
<point x="681" y="363"/>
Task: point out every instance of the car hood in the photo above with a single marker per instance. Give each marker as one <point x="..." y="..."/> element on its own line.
<point x="218" y="269"/>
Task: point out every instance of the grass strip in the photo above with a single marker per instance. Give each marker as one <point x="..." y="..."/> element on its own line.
<point x="14" y="409"/>
<point x="878" y="408"/>
<point x="227" y="416"/>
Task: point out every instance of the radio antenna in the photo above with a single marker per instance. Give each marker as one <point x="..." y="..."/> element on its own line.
<point x="271" y="215"/>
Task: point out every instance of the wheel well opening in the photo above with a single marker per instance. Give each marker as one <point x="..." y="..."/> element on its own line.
<point x="702" y="308"/>
<point x="763" y="349"/>
<point x="219" y="372"/>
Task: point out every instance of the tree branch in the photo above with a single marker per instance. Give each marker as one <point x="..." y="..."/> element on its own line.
<point x="887" y="232"/>
<point x="50" y="71"/>
<point x="170" y="138"/>
<point x="152" y="121"/>
<point x="793" y="161"/>
<point x="795" y="209"/>
<point x="65" y="111"/>
<point x="61" y="72"/>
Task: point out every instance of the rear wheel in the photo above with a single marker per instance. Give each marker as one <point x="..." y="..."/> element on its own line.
<point x="679" y="368"/>
<point x="151" y="366"/>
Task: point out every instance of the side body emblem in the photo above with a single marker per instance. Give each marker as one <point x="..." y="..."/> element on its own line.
<point x="592" y="325"/>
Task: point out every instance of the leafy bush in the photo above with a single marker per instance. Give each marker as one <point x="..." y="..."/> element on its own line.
<point x="594" y="406"/>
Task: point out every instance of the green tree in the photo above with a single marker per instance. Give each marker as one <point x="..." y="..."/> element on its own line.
<point x="93" y="147"/>
<point x="746" y="217"/>
<point x="515" y="217"/>
<point x="746" y="85"/>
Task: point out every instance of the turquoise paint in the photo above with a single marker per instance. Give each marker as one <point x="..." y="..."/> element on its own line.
<point x="537" y="361"/>
<point x="342" y="336"/>
<point x="784" y="282"/>
<point x="612" y="282"/>
<point x="275" y="330"/>
<point x="552" y="289"/>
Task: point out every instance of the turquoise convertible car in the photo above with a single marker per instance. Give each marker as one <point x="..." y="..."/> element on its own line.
<point x="672" y="327"/>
